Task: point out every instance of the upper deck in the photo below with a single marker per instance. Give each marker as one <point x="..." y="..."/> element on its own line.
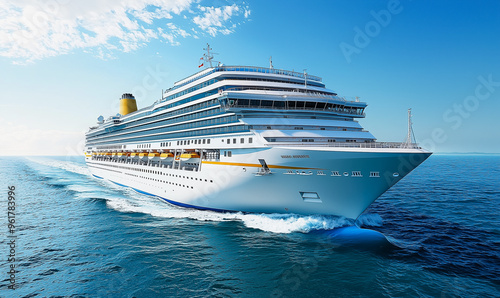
<point x="250" y="69"/>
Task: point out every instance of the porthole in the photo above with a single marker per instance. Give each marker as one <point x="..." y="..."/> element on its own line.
<point x="346" y="174"/>
<point x="395" y="174"/>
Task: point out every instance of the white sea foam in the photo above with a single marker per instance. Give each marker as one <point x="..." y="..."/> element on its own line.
<point x="275" y="223"/>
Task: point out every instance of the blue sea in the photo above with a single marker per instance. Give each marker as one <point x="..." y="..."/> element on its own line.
<point x="434" y="234"/>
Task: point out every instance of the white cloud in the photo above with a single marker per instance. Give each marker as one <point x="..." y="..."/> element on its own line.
<point x="31" y="30"/>
<point x="215" y="19"/>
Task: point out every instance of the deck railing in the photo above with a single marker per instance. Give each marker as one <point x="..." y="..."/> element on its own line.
<point x="351" y="145"/>
<point x="208" y="71"/>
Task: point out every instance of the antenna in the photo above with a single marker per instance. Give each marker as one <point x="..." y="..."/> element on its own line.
<point x="410" y="136"/>
<point x="208" y="57"/>
<point x="271" y="62"/>
<point x="305" y="77"/>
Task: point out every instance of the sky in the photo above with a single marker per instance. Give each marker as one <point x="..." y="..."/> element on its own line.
<point x="66" y="62"/>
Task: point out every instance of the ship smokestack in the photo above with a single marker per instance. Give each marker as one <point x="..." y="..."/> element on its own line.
<point x="127" y="104"/>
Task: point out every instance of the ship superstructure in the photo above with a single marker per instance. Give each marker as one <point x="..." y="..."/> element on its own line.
<point x="250" y="139"/>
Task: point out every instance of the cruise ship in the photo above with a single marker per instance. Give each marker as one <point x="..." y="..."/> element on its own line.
<point x="253" y="140"/>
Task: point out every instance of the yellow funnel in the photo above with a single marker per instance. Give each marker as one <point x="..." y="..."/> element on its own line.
<point x="127" y="104"/>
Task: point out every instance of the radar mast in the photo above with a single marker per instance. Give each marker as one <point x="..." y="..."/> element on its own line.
<point x="208" y="57"/>
<point x="410" y="136"/>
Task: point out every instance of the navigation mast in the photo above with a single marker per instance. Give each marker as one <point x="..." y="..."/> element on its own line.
<point x="410" y="136"/>
<point x="207" y="57"/>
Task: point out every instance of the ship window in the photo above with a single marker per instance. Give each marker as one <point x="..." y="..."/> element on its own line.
<point x="269" y="127"/>
<point x="374" y="174"/>
<point x="234" y="141"/>
<point x="242" y="140"/>
<point x="208" y="141"/>
<point x="267" y="103"/>
<point x="279" y="104"/>
<point x="203" y="141"/>
<point x="225" y="153"/>
<point x="229" y="154"/>
<point x="228" y="141"/>
<point x="250" y="140"/>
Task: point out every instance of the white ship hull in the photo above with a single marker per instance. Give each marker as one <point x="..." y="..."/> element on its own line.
<point x="312" y="180"/>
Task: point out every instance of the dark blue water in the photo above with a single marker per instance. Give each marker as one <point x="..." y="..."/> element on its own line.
<point x="436" y="233"/>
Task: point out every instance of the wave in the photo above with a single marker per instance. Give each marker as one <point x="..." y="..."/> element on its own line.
<point x="275" y="223"/>
<point x="369" y="220"/>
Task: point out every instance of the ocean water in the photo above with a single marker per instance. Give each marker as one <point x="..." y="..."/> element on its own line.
<point x="434" y="234"/>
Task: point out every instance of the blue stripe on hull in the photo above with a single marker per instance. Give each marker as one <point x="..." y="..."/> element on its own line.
<point x="118" y="183"/>
<point x="97" y="176"/>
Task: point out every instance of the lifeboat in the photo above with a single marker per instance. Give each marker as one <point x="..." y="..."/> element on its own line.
<point x="123" y="155"/>
<point x="143" y="155"/>
<point x="167" y="156"/>
<point x="190" y="156"/>
<point x="134" y="155"/>
<point x="114" y="155"/>
<point x="154" y="156"/>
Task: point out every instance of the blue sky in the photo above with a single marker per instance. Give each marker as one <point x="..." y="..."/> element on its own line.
<point x="66" y="62"/>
